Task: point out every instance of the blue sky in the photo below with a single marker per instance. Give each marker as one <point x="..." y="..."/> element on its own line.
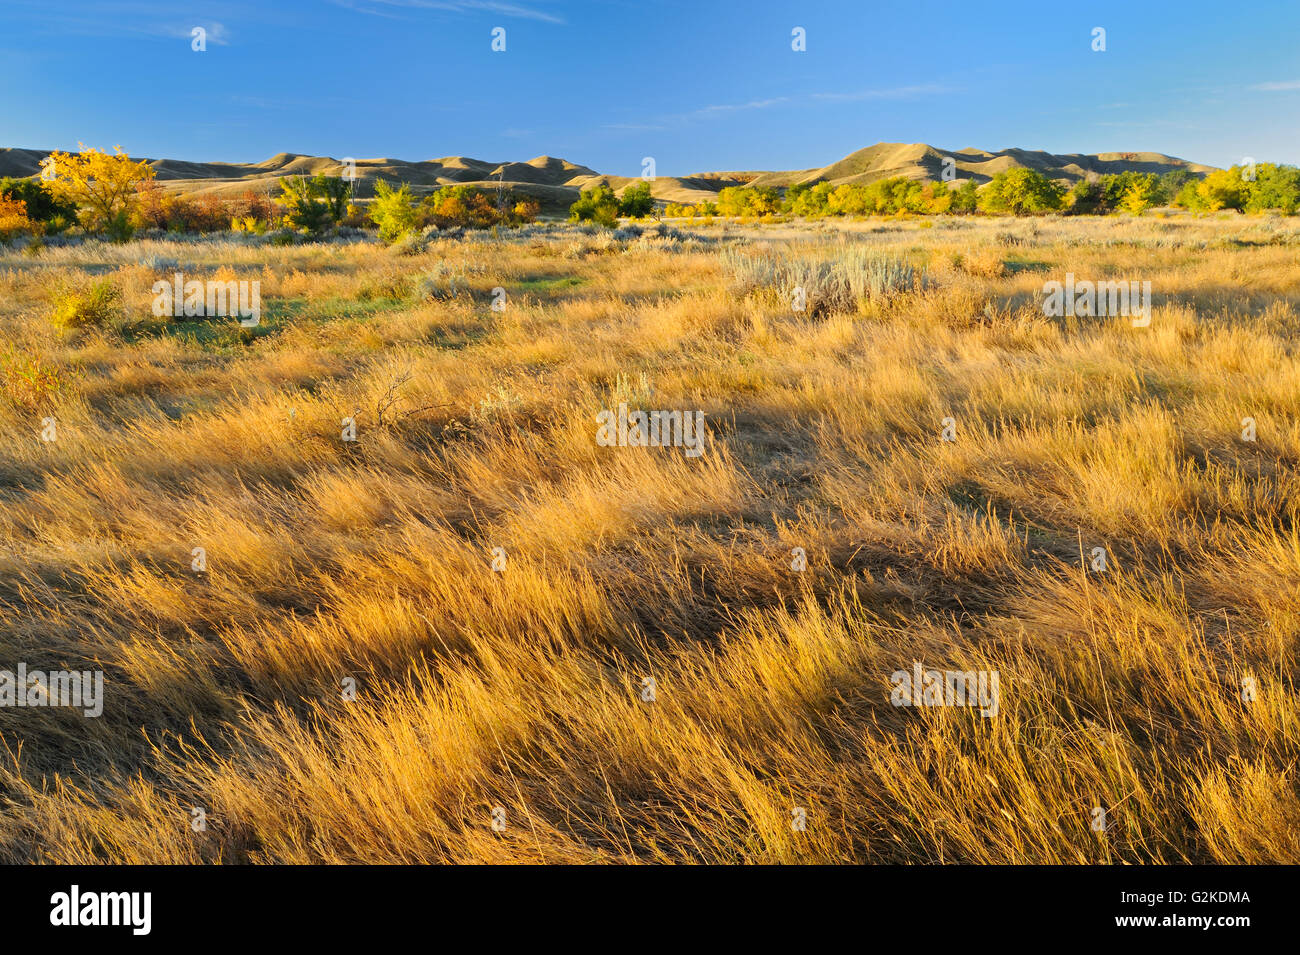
<point x="697" y="85"/>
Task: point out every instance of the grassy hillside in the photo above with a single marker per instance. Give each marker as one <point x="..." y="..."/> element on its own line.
<point x="557" y="182"/>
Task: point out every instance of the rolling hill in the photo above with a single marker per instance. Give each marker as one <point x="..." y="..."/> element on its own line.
<point x="919" y="161"/>
<point x="557" y="182"/>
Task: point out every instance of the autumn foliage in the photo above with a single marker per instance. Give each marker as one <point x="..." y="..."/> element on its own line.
<point x="14" y="220"/>
<point x="103" y="185"/>
<point x="465" y="206"/>
<point x="154" y="208"/>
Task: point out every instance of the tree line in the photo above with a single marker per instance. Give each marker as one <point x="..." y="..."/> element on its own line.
<point x="111" y="194"/>
<point x="100" y="193"/>
<point x="1262" y="187"/>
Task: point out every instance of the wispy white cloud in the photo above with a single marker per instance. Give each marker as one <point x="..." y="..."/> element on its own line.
<point x="637" y="127"/>
<point x="276" y="101"/>
<point x="133" y="21"/>
<point x="1151" y="123"/>
<point x="724" y="109"/>
<point x="374" y="8"/>
<point x="894" y="92"/>
<point x="362" y="8"/>
<point x="735" y="107"/>
<point x="1278" y="86"/>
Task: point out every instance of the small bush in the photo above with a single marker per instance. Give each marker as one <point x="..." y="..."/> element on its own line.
<point x="118" y="228"/>
<point x="526" y="210"/>
<point x="983" y="263"/>
<point x="27" y="381"/>
<point x="829" y="285"/>
<point x="95" y="306"/>
<point x="665" y="231"/>
<point x="14" y="220"/>
<point x="248" y="224"/>
<point x="409" y="243"/>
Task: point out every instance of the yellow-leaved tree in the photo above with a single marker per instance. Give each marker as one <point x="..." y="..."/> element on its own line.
<point x="102" y="184"/>
<point x="14" y="220"/>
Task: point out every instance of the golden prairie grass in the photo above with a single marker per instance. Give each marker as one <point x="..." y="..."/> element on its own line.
<point x="523" y="689"/>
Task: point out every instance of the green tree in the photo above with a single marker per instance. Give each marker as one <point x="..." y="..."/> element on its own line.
<point x="793" y="194"/>
<point x="1172" y="182"/>
<point x="637" y="201"/>
<point x="1087" y="197"/>
<point x="307" y="210"/>
<point x="1189" y="197"/>
<point x="1022" y="192"/>
<point x="1115" y="187"/>
<point x="1142" y="193"/>
<point x="849" y="200"/>
<point x="812" y="201"/>
<point x="965" y="198"/>
<point x="731" y="201"/>
<point x="1275" y="187"/>
<point x="335" y="192"/>
<point x="392" y="210"/>
<point x="597" y="204"/>
<point x="748" y="201"/>
<point x="1222" y="189"/>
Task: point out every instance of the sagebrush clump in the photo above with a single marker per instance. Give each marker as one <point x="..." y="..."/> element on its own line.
<point x="837" y="283"/>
